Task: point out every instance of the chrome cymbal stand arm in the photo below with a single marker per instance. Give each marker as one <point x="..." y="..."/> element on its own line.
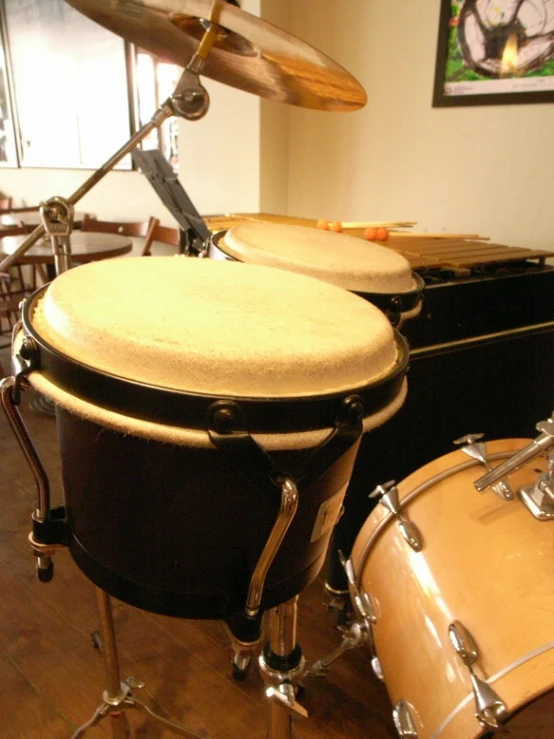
<point x="189" y="100"/>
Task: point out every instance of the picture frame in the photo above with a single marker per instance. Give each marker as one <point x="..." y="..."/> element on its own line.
<point x="494" y="53"/>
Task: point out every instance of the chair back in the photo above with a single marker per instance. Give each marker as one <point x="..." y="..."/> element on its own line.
<point x="163" y="234"/>
<point x="138" y="228"/>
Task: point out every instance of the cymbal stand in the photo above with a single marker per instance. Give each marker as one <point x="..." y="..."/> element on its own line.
<point x="190" y="100"/>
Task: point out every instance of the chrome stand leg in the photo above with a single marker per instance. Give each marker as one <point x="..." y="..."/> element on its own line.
<point x="118" y="696"/>
<point x="281" y="664"/>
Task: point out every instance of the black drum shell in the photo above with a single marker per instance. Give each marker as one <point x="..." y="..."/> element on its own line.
<point x="178" y="530"/>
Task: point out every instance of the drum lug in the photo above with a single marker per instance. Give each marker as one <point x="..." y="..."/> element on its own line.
<point x="388" y="497"/>
<point x="361" y="600"/>
<point x="478" y="451"/>
<point x="403" y="720"/>
<point x="377" y="669"/>
<point x="491" y="710"/>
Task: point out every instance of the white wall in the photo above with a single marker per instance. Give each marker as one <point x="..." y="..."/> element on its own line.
<point x="478" y="169"/>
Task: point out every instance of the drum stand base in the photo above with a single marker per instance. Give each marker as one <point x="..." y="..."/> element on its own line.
<point x="282" y="664"/>
<point x="118" y="697"/>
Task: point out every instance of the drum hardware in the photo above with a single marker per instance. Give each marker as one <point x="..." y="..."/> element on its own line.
<point x="388" y="497"/>
<point x="491" y="710"/>
<point x="248" y="53"/>
<point x="282" y="663"/>
<point x="57" y="219"/>
<point x="189" y="100"/>
<point x="478" y="451"/>
<point x="358" y="634"/>
<point x="538" y="497"/>
<point x="228" y="433"/>
<point x="119" y="697"/>
<point x="403" y="720"/>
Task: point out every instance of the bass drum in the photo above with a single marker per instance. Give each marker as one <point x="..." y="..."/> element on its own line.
<point x="485" y="563"/>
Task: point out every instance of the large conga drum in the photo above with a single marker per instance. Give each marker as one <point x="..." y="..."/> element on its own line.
<point x="186" y="391"/>
<point x="370" y="270"/>
<point x="484" y="570"/>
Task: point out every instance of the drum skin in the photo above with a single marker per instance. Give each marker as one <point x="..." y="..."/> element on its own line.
<point x="485" y="562"/>
<point x="178" y="530"/>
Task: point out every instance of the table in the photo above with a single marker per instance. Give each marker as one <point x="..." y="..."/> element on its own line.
<point x="86" y="246"/>
<point x="32" y="218"/>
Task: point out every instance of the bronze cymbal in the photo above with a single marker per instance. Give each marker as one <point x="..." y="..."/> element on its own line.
<point x="249" y="53"/>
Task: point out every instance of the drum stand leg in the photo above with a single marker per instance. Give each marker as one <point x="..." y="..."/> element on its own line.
<point x="281" y="663"/>
<point x="118" y="696"/>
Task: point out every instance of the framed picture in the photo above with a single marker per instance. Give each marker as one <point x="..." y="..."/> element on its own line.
<point x="8" y="142"/>
<point x="495" y="52"/>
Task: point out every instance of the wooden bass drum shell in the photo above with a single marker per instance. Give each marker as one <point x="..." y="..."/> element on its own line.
<point x="485" y="562"/>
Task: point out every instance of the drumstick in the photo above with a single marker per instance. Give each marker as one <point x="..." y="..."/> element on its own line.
<point x="424" y="235"/>
<point x="377" y="224"/>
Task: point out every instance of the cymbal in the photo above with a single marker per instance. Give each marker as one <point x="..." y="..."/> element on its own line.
<point x="249" y="53"/>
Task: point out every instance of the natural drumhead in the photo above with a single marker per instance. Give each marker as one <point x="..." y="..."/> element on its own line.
<point x="346" y="261"/>
<point x="215" y="327"/>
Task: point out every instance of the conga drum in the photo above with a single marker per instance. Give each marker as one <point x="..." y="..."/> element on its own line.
<point x="375" y="273"/>
<point x="186" y="392"/>
<point x="370" y="270"/>
<point x="484" y="570"/>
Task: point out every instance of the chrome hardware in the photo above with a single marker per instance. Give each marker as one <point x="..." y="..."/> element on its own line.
<point x="476" y="450"/>
<point x="361" y="600"/>
<point x="57" y="219"/>
<point x="377" y="669"/>
<point x="27" y="447"/>
<point x="543" y="442"/>
<point x="359" y="632"/>
<point x="403" y="720"/>
<point x="358" y="635"/>
<point x="289" y="505"/>
<point x="388" y="496"/>
<point x="285" y="694"/>
<point x="491" y="710"/>
<point x="539" y="497"/>
<point x="190" y="99"/>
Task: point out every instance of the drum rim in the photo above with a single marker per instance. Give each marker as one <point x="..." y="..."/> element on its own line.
<point x="174" y="407"/>
<point x="388" y="302"/>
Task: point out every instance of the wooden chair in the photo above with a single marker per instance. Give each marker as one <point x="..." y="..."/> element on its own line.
<point x="24" y="278"/>
<point x="163" y="234"/>
<point x="139" y="228"/>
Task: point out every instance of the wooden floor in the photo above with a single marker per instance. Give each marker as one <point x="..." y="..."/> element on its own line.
<point x="51" y="677"/>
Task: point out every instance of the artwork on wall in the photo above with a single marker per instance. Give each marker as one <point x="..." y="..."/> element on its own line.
<point x="495" y="52"/>
<point x="70" y="86"/>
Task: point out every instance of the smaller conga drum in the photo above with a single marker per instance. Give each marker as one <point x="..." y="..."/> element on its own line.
<point x="187" y="392"/>
<point x="484" y="570"/>
<point x="374" y="272"/>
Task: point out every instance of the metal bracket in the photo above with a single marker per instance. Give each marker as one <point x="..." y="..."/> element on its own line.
<point x="388" y="497"/>
<point x="470" y="445"/>
<point x="491" y="710"/>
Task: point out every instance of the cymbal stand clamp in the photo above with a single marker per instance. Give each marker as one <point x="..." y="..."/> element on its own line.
<point x="190" y="100"/>
<point x="57" y="218"/>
